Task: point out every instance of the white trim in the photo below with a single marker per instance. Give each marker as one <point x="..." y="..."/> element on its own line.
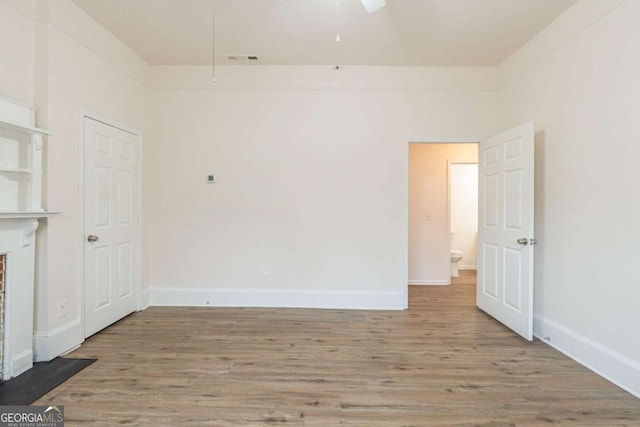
<point x="15" y="126"/>
<point x="429" y="282"/>
<point x="8" y="99"/>
<point x="15" y="114"/>
<point x="51" y="344"/>
<point x="609" y="364"/>
<point x="277" y="298"/>
<point x="145" y="299"/>
<point x="553" y="38"/>
<point x="20" y="363"/>
<point x="109" y="122"/>
<point x="405" y="225"/>
<point x="137" y="72"/>
<point x="26" y="214"/>
<point x="85" y="114"/>
<point x="449" y="163"/>
<point x="357" y="78"/>
<point x="444" y="141"/>
<point x="467" y="267"/>
<point x="405" y="186"/>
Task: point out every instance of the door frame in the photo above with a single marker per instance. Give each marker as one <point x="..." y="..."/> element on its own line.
<point x="405" y="186"/>
<point x="80" y="291"/>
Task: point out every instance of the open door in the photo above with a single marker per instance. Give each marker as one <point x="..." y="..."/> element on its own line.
<point x="505" y="228"/>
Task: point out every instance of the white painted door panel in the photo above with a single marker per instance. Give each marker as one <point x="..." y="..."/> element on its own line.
<point x="110" y="214"/>
<point x="505" y="228"/>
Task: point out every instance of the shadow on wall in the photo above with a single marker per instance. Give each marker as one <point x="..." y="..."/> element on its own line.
<point x="539" y="202"/>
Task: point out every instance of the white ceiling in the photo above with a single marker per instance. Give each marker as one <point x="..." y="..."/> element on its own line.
<point x="302" y="32"/>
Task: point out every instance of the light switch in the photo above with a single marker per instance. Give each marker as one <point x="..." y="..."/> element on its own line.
<point x="427" y="216"/>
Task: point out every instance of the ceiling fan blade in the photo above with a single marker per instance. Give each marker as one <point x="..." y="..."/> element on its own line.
<point x="373" y="5"/>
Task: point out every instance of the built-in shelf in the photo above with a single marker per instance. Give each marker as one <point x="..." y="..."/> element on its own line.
<point x="23" y="128"/>
<point x="15" y="170"/>
<point x="26" y="214"/>
<point x="21" y="151"/>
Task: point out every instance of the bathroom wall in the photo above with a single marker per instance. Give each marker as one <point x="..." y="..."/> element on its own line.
<point x="464" y="212"/>
<point x="429" y="256"/>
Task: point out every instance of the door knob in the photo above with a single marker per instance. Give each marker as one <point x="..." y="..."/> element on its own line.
<point x="92" y="238"/>
<point x="523" y="241"/>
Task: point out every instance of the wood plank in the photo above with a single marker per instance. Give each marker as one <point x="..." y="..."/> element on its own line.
<point x="442" y="362"/>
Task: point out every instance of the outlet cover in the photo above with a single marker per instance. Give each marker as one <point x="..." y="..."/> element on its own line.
<point x="62" y="309"/>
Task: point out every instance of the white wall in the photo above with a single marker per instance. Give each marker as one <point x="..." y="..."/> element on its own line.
<point x="312" y="179"/>
<point x="312" y="170"/>
<point x="63" y="62"/>
<point x="429" y="256"/>
<point x="17" y="28"/>
<point x="580" y="81"/>
<point x="464" y="211"/>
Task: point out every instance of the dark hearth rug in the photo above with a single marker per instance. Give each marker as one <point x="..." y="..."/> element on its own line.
<point x="39" y="380"/>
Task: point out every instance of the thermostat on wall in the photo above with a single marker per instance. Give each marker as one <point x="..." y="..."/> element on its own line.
<point x="211" y="179"/>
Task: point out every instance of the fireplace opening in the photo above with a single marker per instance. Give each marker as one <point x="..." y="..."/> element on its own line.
<point x="3" y="263"/>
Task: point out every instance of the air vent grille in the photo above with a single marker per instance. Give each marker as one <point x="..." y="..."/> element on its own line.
<point x="243" y="58"/>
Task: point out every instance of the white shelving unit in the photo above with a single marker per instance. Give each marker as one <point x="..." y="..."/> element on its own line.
<point x="21" y="145"/>
<point x="21" y="148"/>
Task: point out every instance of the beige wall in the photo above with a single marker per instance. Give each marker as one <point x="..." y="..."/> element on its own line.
<point x="429" y="256"/>
<point x="312" y="168"/>
<point x="17" y="28"/>
<point x="312" y="178"/>
<point x="579" y="80"/>
<point x="64" y="63"/>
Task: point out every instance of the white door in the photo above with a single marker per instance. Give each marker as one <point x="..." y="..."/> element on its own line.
<point x="505" y="228"/>
<point x="111" y="224"/>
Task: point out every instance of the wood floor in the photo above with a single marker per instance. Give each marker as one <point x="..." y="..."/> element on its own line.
<point x="441" y="363"/>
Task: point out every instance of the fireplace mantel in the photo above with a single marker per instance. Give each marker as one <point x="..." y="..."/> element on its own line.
<point x="21" y="151"/>
<point x="26" y="214"/>
<point x="26" y="222"/>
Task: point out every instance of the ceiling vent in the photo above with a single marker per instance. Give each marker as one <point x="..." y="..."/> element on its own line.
<point x="241" y="58"/>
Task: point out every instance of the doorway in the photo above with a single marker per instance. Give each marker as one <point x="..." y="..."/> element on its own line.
<point x="429" y="240"/>
<point x="112" y="229"/>
<point x="505" y="224"/>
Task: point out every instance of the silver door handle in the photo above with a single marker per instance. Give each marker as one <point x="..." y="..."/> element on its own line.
<point x="523" y="241"/>
<point x="92" y="238"/>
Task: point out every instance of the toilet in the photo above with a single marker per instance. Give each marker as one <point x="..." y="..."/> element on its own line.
<point x="456" y="256"/>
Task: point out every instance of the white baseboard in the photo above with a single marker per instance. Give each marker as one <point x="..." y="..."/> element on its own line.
<point x="467" y="267"/>
<point x="50" y="344"/>
<point x="429" y="282"/>
<point x="20" y="363"/>
<point x="609" y="364"/>
<point x="145" y="300"/>
<point x="285" y="298"/>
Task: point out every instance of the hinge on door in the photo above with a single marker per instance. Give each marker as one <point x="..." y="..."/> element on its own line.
<point x="533" y="241"/>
